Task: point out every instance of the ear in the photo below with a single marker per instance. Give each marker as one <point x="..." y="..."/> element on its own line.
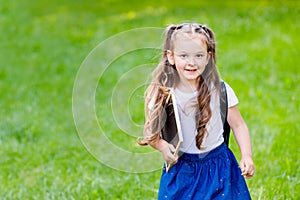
<point x="170" y="57"/>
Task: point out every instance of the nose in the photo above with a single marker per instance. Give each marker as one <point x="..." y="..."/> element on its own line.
<point x="190" y="61"/>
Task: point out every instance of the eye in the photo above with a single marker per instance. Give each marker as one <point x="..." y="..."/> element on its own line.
<point x="183" y="56"/>
<point x="200" y="55"/>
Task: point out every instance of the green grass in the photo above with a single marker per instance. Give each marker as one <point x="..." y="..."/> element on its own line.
<point x="43" y="45"/>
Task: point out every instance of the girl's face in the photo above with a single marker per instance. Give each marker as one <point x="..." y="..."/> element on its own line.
<point x="190" y="57"/>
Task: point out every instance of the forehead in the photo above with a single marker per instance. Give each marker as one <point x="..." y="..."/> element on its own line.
<point x="189" y="42"/>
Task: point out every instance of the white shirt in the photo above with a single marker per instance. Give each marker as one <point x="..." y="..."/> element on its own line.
<point x="214" y="127"/>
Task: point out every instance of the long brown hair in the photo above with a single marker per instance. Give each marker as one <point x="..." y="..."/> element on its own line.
<point x="165" y="76"/>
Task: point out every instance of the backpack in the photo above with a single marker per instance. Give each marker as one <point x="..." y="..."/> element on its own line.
<point x="224" y="110"/>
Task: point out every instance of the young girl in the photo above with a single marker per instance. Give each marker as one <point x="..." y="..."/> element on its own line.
<point x="205" y="168"/>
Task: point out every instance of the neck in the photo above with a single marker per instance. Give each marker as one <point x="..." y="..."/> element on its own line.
<point x="187" y="87"/>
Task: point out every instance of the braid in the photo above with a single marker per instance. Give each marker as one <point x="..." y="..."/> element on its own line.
<point x="203" y="113"/>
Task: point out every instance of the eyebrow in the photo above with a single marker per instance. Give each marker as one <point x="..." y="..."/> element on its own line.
<point x="182" y="51"/>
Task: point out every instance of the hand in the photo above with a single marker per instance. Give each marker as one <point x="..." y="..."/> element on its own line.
<point x="247" y="166"/>
<point x="168" y="153"/>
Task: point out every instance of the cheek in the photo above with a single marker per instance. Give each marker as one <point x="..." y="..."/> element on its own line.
<point x="202" y="63"/>
<point x="180" y="63"/>
<point x="206" y="62"/>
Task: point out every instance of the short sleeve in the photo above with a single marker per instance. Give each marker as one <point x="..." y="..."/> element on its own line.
<point x="231" y="96"/>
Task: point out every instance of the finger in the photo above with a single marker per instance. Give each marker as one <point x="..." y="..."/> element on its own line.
<point x="249" y="174"/>
<point x="242" y="166"/>
<point x="247" y="165"/>
<point x="172" y="148"/>
<point x="243" y="173"/>
<point x="170" y="157"/>
<point x="250" y="169"/>
<point x="174" y="162"/>
<point x="176" y="157"/>
<point x="173" y="158"/>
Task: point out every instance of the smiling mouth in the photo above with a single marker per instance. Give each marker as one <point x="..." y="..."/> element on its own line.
<point x="191" y="70"/>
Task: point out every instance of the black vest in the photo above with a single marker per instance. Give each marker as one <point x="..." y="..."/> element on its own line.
<point x="170" y="132"/>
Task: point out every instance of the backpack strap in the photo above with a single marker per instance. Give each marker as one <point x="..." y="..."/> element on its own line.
<point x="223" y="110"/>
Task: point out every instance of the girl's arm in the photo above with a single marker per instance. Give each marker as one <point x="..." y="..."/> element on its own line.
<point x="161" y="145"/>
<point x="166" y="149"/>
<point x="242" y="137"/>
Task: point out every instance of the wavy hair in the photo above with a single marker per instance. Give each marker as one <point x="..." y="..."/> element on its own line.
<point x="165" y="76"/>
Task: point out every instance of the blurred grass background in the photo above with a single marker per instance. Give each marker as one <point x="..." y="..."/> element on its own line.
<point x="43" y="44"/>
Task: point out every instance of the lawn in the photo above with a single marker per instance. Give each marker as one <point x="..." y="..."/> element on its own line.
<point x="72" y="77"/>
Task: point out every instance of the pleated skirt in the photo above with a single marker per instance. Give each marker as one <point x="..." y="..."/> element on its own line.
<point x="214" y="176"/>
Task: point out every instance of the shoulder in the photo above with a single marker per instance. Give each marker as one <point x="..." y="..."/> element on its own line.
<point x="228" y="87"/>
<point x="231" y="96"/>
<point x="157" y="95"/>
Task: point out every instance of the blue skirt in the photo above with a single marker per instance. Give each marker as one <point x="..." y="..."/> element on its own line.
<point x="214" y="176"/>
